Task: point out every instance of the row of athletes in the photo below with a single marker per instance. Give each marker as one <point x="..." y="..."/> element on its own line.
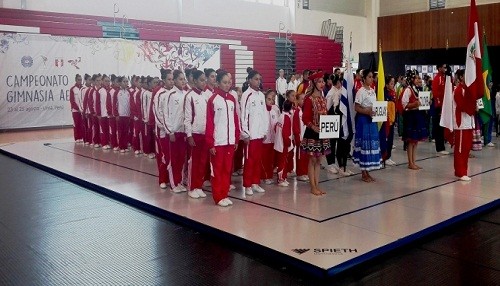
<point x="194" y="128"/>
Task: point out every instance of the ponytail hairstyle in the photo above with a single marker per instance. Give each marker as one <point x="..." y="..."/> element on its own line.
<point x="287" y="106"/>
<point x="86" y="76"/>
<point x="197" y="74"/>
<point x="220" y="74"/>
<point x="177" y="73"/>
<point x="208" y="71"/>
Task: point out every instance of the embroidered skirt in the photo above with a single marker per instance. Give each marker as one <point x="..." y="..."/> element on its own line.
<point x="366" y="144"/>
<point x="313" y="146"/>
<point x="415" y="128"/>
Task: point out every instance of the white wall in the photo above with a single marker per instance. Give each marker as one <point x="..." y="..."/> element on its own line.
<point x="309" y="22"/>
<point x="391" y="7"/>
<point x="348" y="7"/>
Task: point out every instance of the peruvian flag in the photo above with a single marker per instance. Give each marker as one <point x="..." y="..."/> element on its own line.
<point x="473" y="66"/>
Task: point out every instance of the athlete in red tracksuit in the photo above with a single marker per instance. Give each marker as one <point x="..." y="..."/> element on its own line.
<point x="102" y="111"/>
<point x="175" y="131"/>
<point x="94" y="94"/>
<point x="464" y="108"/>
<point x="211" y="77"/>
<point x="136" y="115"/>
<point x="254" y="127"/>
<point x="268" y="158"/>
<point x="283" y="142"/>
<point x="87" y="114"/>
<point x="301" y="158"/>
<point x="146" y="105"/>
<point x="121" y="111"/>
<point x="75" y="100"/>
<point x="113" y="92"/>
<point x="158" y="112"/>
<point x="195" y="116"/>
<point x="222" y="134"/>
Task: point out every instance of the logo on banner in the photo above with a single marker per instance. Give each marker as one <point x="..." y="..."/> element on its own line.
<point x="59" y="62"/>
<point x="300" y="250"/>
<point x="75" y="62"/>
<point x="27" y="61"/>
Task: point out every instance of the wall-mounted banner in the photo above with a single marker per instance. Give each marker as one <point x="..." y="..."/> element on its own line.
<point x="37" y="71"/>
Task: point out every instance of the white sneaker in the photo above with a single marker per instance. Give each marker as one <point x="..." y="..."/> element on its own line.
<point x="179" y="189"/>
<point x="344" y="173"/>
<point x="106" y="147"/>
<point x="283" y="184"/>
<point x="193" y="194"/>
<point x="444" y="152"/>
<point x="292" y="174"/>
<point x="201" y="193"/>
<point x="207" y="183"/>
<point x="491" y="144"/>
<point x="232" y="187"/>
<point x="332" y="169"/>
<point x="223" y="203"/>
<point x="228" y="201"/>
<point x="258" y="188"/>
<point x="122" y="151"/>
<point x="390" y="162"/>
<point x="303" y="178"/>
<point x="163" y="185"/>
<point x="350" y="172"/>
<point x="97" y="146"/>
<point x="248" y="191"/>
<point x="268" y="181"/>
<point x="86" y="143"/>
<point x="151" y="156"/>
<point x="137" y="152"/>
<point x="116" y="149"/>
<point x="465" y="178"/>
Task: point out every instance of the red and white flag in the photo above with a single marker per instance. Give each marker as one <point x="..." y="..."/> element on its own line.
<point x="473" y="66"/>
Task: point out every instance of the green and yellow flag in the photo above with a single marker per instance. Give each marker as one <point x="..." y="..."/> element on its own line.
<point x="380" y="79"/>
<point x="486" y="113"/>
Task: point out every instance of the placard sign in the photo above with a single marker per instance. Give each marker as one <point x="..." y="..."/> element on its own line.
<point x="479" y="104"/>
<point x="380" y="108"/>
<point x="425" y="100"/>
<point x="329" y="126"/>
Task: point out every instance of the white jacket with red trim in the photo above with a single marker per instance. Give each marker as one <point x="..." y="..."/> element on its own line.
<point x="195" y="111"/>
<point x="299" y="127"/>
<point x="273" y="115"/>
<point x="87" y="99"/>
<point x="74" y="98"/>
<point x="102" y="93"/>
<point x="254" y="119"/>
<point x="160" y="110"/>
<point x="175" y="111"/>
<point x="146" y="96"/>
<point x="283" y="139"/>
<point x="222" y="127"/>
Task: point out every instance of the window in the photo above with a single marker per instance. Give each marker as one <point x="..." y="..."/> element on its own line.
<point x="436" y="4"/>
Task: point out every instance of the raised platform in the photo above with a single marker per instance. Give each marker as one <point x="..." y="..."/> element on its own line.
<point x="353" y="222"/>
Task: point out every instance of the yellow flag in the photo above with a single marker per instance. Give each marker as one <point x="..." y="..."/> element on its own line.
<point x="380" y="80"/>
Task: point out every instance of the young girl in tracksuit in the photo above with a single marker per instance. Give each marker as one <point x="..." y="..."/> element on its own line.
<point x="102" y="111"/>
<point x="283" y="143"/>
<point x="195" y="116"/>
<point x="87" y="116"/>
<point x="121" y="111"/>
<point x="136" y="115"/>
<point x="146" y="102"/>
<point x="94" y="94"/>
<point x="222" y="134"/>
<point x="254" y="127"/>
<point x="159" y="110"/>
<point x="76" y="111"/>
<point x="115" y="88"/>
<point x="301" y="158"/>
<point x="273" y="113"/>
<point x="175" y="131"/>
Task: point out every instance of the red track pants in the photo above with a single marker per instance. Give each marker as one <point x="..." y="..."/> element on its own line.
<point x="136" y="135"/>
<point x="197" y="162"/>
<point x="123" y="126"/>
<point x="104" y="130"/>
<point x="78" y="128"/>
<point x="267" y="162"/>
<point x="177" y="158"/>
<point x="221" y="164"/>
<point x="113" y="138"/>
<point x="251" y="170"/>
<point x="148" y="139"/>
<point x="283" y="164"/>
<point x="463" y="145"/>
